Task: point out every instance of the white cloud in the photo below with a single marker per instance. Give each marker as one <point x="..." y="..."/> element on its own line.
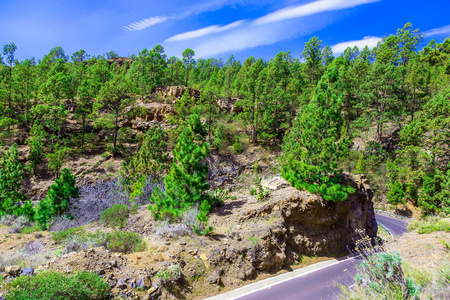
<point x="249" y="36"/>
<point x="293" y="12"/>
<point x="438" y="31"/>
<point x="145" y="23"/>
<point x="203" y="32"/>
<point x="369" y="41"/>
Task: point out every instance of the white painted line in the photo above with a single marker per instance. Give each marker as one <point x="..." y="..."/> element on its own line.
<point x="269" y="282"/>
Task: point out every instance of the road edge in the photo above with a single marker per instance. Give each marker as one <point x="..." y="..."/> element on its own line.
<point x="269" y="282"/>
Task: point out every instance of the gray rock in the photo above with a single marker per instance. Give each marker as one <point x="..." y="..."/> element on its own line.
<point x="141" y="284"/>
<point x="121" y="285"/>
<point x="27" y="271"/>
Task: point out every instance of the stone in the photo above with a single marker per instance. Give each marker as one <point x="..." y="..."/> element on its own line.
<point x="141" y="283"/>
<point x="113" y="263"/>
<point x="121" y="285"/>
<point x="151" y="290"/>
<point x="193" y="252"/>
<point x="112" y="283"/>
<point x="13" y="270"/>
<point x="27" y="271"/>
<point x="213" y="279"/>
<point x="100" y="272"/>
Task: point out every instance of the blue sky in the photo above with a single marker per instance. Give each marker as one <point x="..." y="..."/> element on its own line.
<point x="215" y="28"/>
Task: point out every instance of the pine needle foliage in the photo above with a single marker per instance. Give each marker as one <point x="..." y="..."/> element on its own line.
<point x="317" y="141"/>
<point x="11" y="171"/>
<point x="58" y="198"/>
<point x="186" y="184"/>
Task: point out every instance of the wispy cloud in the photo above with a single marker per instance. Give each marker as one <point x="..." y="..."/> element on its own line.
<point x="203" y="32"/>
<point x="438" y="31"/>
<point x="145" y="23"/>
<point x="193" y="9"/>
<point x="249" y="36"/>
<point x="293" y="12"/>
<point x="369" y="41"/>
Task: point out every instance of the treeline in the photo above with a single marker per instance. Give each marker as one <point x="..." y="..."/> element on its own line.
<point x="340" y="98"/>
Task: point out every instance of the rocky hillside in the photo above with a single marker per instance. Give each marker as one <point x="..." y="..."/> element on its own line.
<point x="252" y="237"/>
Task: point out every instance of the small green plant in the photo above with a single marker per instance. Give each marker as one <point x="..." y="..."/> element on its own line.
<point x="52" y="285"/>
<point x="263" y="192"/>
<point x="64" y="235"/>
<point x="253" y="191"/>
<point x="170" y="275"/>
<point x="105" y="154"/>
<point x="446" y="244"/>
<point x="255" y="167"/>
<point x="31" y="229"/>
<point x="116" y="216"/>
<point x="125" y="242"/>
<point x="255" y="241"/>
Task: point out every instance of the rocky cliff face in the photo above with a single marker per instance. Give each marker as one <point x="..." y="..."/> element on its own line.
<point x="295" y="223"/>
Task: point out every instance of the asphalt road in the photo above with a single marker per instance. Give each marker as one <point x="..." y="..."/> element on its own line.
<point x="320" y="283"/>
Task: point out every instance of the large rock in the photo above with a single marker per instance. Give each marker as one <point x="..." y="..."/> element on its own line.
<point x="13" y="270"/>
<point x="176" y="91"/>
<point x="306" y="224"/>
<point x="143" y="115"/>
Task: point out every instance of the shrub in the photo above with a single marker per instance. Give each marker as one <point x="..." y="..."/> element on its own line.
<point x="237" y="146"/>
<point x="52" y="286"/>
<point x="116" y="216"/>
<point x="170" y="275"/>
<point x="19" y="224"/>
<point x="430" y="225"/>
<point x="125" y="242"/>
<point x="65" y="234"/>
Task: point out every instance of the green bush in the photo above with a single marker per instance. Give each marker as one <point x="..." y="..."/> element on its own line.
<point x="237" y="146"/>
<point x="58" y="198"/>
<point x="57" y="286"/>
<point x="170" y="275"/>
<point x="64" y="235"/>
<point x="429" y="226"/>
<point x="116" y="216"/>
<point x="125" y="242"/>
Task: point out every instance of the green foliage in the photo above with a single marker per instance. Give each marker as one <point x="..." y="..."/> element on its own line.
<point x="361" y="165"/>
<point x="396" y="194"/>
<point x="62" y="235"/>
<point x="58" y="198"/>
<point x="237" y="146"/>
<point x="152" y="157"/>
<point x="430" y="225"/>
<point x="58" y="158"/>
<point x="317" y="141"/>
<point x="381" y="276"/>
<point x="116" y="216"/>
<point x="36" y="142"/>
<point x="57" y="286"/>
<point x="186" y="182"/>
<point x="170" y="275"/>
<point x="10" y="184"/>
<point x="125" y="242"/>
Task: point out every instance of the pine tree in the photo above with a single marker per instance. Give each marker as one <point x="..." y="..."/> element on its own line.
<point x="10" y="183"/>
<point x="317" y="142"/>
<point x="186" y="182"/>
<point x="58" y="198"/>
<point x="396" y="194"/>
<point x="36" y="142"/>
<point x="152" y="157"/>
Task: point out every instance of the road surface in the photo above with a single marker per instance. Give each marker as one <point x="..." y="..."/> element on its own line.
<point x="314" y="284"/>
